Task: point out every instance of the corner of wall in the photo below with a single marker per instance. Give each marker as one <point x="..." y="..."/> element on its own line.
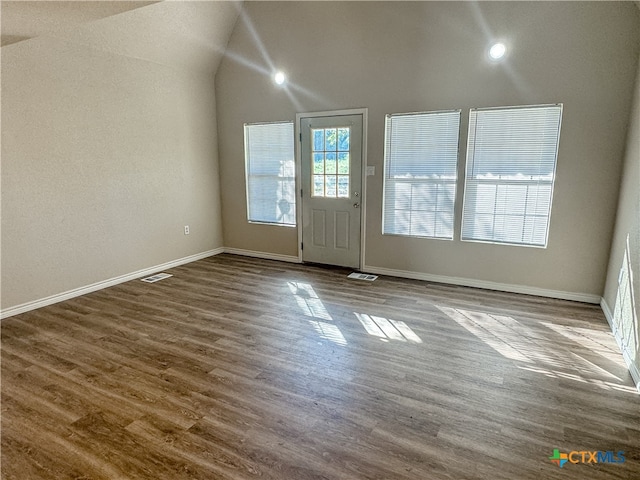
<point x="634" y="370"/>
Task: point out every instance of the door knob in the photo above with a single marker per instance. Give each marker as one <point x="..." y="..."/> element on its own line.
<point x="356" y="205"/>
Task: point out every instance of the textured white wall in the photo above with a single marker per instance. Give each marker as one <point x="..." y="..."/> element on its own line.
<point x="104" y="159"/>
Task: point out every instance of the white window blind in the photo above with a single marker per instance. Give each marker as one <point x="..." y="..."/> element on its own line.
<point x="270" y="173"/>
<point x="421" y="156"/>
<point x="511" y="165"/>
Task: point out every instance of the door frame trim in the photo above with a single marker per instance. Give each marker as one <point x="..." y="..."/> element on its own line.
<point x="364" y="112"/>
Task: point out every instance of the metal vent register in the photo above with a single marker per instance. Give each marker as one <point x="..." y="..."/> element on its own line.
<point x="362" y="276"/>
<point x="156" y="277"/>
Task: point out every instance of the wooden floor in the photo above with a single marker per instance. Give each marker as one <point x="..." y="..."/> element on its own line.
<point x="239" y="368"/>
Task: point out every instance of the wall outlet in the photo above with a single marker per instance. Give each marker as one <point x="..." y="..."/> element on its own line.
<point x="186" y="229"/>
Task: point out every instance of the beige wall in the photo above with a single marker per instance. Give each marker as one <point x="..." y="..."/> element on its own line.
<point x="417" y="56"/>
<point x="104" y="159"/>
<point x="623" y="299"/>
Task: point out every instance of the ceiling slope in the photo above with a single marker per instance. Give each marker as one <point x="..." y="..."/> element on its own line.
<point x="182" y="34"/>
<point x="22" y="20"/>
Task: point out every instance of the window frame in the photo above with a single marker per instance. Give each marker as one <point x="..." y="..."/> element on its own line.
<point x="248" y="175"/>
<point x="433" y="181"/>
<point x="470" y="155"/>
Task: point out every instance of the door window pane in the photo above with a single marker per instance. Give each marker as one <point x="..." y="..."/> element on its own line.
<point x="343" y="186"/>
<point x="318" y="163"/>
<point x="343" y="163"/>
<point x="318" y="185"/>
<point x="330" y="157"/>
<point x="330" y="190"/>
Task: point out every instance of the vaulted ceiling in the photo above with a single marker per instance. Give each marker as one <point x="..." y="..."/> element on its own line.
<point x="183" y="34"/>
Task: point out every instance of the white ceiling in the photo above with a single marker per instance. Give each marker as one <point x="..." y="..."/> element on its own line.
<point x="184" y="34"/>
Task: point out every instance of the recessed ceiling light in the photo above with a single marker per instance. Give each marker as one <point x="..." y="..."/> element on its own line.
<point x="279" y="78"/>
<point x="497" y="51"/>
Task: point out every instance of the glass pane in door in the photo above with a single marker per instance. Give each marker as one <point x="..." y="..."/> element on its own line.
<point x="330" y="162"/>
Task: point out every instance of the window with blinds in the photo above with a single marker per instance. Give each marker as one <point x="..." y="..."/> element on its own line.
<point x="270" y="173"/>
<point x="511" y="165"/>
<point x="420" y="162"/>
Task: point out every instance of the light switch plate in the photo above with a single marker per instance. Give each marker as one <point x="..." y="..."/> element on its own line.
<point x="371" y="171"/>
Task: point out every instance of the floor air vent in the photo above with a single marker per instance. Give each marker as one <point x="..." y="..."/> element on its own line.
<point x="363" y="276"/>
<point x="156" y="277"/>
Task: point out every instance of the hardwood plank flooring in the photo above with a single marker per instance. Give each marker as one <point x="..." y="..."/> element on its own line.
<point x="239" y="368"/>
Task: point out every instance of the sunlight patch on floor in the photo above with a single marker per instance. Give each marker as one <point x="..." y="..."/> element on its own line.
<point x="328" y="331"/>
<point x="308" y="300"/>
<point x="311" y="306"/>
<point x="593" y="340"/>
<point x="605" y="385"/>
<point x="517" y="342"/>
<point x="387" y="329"/>
<point x="490" y="331"/>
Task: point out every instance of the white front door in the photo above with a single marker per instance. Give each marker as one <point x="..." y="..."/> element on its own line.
<point x="331" y="185"/>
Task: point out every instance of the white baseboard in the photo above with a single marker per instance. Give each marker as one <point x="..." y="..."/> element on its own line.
<point x="633" y="368"/>
<point x="469" y="282"/>
<point x="60" y="297"/>
<point x="265" y="255"/>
